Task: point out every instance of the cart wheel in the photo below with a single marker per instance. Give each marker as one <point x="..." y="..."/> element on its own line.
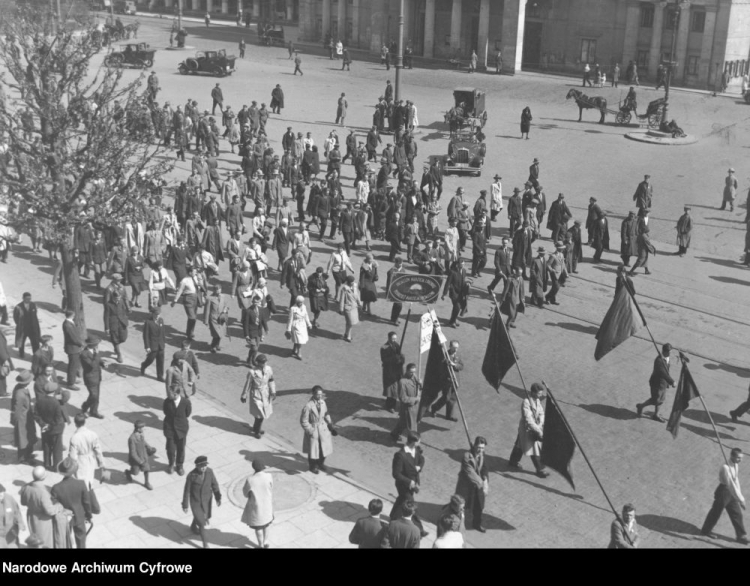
<point x="183" y="70"/>
<point x="139" y="63"/>
<point x="219" y="71"/>
<point x="654" y="120"/>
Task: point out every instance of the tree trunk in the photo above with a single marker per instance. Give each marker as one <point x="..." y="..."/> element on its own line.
<point x="74" y="296"/>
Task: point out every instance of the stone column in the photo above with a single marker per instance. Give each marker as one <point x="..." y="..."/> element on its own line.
<point x="456" y="24"/>
<point x="680" y="53"/>
<point x="209" y="6"/>
<point x="654" y="54"/>
<point x="354" y="41"/>
<point x="631" y="34"/>
<point x="168" y="3"/>
<point x="429" y="29"/>
<point x="514" y="17"/>
<point x="484" y="33"/>
<point x="341" y="19"/>
<point x="705" y="67"/>
<point x="326" y="18"/>
<point x="224" y="6"/>
<point x="196" y="5"/>
<point x="256" y="10"/>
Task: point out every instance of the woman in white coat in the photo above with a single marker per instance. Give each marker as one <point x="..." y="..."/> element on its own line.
<point x="258" y="513"/>
<point x="315" y="420"/>
<point x="297" y="326"/>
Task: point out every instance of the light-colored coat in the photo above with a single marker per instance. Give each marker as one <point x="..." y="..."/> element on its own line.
<point x="86" y="449"/>
<point x="22" y="418"/>
<point x="258" y="390"/>
<point x="298" y="324"/>
<point x="317" y="442"/>
<point x="532" y="423"/>
<point x="41" y="511"/>
<point x="259" y="492"/>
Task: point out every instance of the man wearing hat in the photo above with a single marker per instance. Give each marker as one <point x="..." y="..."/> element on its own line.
<point x="644" y="193"/>
<point x="177" y="411"/>
<point x="629" y="238"/>
<point x="523" y="254"/>
<point x="557" y="273"/>
<point x="73" y="341"/>
<point x="218" y="99"/>
<point x="531" y="431"/>
<point x="92" y="376"/>
<point x="154" y="342"/>
<point x="576" y="251"/>
<point x="730" y="190"/>
<point x="684" y="228"/>
<point x="557" y="220"/>
<point x="659" y="381"/>
<point x="539" y="278"/>
<point x="645" y="247"/>
<point x="515" y="211"/>
<point x="74" y="496"/>
<point x="534" y="173"/>
<point x="139" y="454"/>
<point x="592" y="220"/>
<point x="22" y="418"/>
<point x="27" y="325"/>
<point x="201" y="487"/>
<point x="52" y="420"/>
<point x="41" y="510"/>
<point x="456" y="203"/>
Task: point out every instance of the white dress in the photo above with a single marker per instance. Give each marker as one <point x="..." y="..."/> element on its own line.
<point x="298" y="324"/>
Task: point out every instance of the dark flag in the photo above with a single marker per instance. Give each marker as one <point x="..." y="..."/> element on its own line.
<point x="622" y="321"/>
<point x="558" y="446"/>
<point x="436" y="372"/>
<point x="686" y="392"/>
<point x="499" y="357"/>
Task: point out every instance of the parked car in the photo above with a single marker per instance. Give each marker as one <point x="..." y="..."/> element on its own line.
<point x="135" y="54"/>
<point x="216" y="63"/>
<point x="125" y="7"/>
<point x="465" y="153"/>
<point x="272" y="35"/>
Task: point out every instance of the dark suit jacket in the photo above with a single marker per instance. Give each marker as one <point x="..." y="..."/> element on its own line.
<point x="153" y="335"/>
<point x="73" y="339"/>
<point x="177" y="418"/>
<point x="401" y="534"/>
<point x="347" y="221"/>
<point x="454" y="284"/>
<point x="92" y="367"/>
<point x="404" y="469"/>
<point x="502" y="261"/>
<point x="660" y="378"/>
<point x="50" y="413"/>
<point x="368" y="533"/>
<point x="249" y="327"/>
<point x="198" y="493"/>
<point x="74" y="496"/>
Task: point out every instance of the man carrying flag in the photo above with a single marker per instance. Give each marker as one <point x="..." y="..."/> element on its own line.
<point x="530" y="431"/>
<point x="686" y="391"/>
<point x="728" y="496"/>
<point x="448" y="394"/>
<point x="659" y="382"/>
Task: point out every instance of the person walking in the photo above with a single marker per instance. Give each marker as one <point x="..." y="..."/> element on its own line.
<point x="659" y="381"/>
<point x="41" y="511"/>
<point x="190" y="291"/>
<point x="73" y="343"/>
<point x="624" y="532"/>
<point x="92" y="376"/>
<point x="526" y="119"/>
<point x="52" y="420"/>
<point x="297" y="63"/>
<point x="684" y="228"/>
<point x="392" y="361"/>
<point x="75" y="496"/>
<point x="530" y="431"/>
<point x="346" y="60"/>
<point x="22" y="418"/>
<point x="85" y="449"/>
<point x="616" y="75"/>
<point x="215" y="316"/>
<point x="406" y="470"/>
<point x="316" y="422"/>
<point x="349" y="302"/>
<point x="341" y="110"/>
<point x="629" y="238"/>
<point x="409" y="396"/>
<point x="644" y="249"/>
<point x="586" y="75"/>
<point x="201" y="488"/>
<point x="27" y="325"/>
<point x="403" y="533"/>
<point x="730" y="191"/>
<point x="260" y="392"/>
<point x="139" y="454"/>
<point x="644" y="194"/>
<point x="298" y="326"/>
<point x="456" y="287"/>
<point x="728" y="496"/>
<point x="397" y="307"/>
<point x="154" y="343"/>
<point x="176" y="424"/>
<point x="368" y="532"/>
<point x="116" y="310"/>
<point x="11" y="521"/>
<point x="242" y="48"/>
<point x="474" y="482"/>
<point x="258" y="512"/>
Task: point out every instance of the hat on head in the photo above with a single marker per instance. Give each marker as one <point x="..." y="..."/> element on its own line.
<point x="201" y="460"/>
<point x="536" y="387"/>
<point x="92" y="341"/>
<point x="536" y="160"/>
<point x="559" y="245"/>
<point x="24" y="376"/>
<point x="497" y="176"/>
<point x="527" y="184"/>
<point x="516" y="190"/>
<point x="50" y="388"/>
<point x="540" y="249"/>
<point x="482" y="192"/>
<point x="116" y="277"/>
<point x="68" y="467"/>
<point x="577" y="222"/>
<point x="731" y="170"/>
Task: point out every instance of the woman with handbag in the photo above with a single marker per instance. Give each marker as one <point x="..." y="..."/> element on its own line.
<point x="318" y="291"/>
<point x="297" y="326"/>
<point x="189" y="292"/>
<point x="349" y="304"/>
<point x="368" y="276"/>
<point x="215" y="316"/>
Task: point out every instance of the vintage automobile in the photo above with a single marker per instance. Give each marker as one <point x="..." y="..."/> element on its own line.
<point x="135" y="54"/>
<point x="273" y="35"/>
<point x="125" y="7"/>
<point x="216" y="63"/>
<point x="470" y="100"/>
<point x="465" y="153"/>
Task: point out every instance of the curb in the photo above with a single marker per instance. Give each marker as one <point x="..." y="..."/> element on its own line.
<point x="661" y="138"/>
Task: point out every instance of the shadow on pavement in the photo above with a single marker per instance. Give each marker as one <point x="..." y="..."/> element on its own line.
<point x="743" y="372"/>
<point x="148" y="418"/>
<point x="700" y="416"/>
<point x="609" y="411"/>
<point x="668" y="526"/>
<point x="732" y="264"/>
<point x="356" y="433"/>
<point x="730" y="280"/>
<point x="146" y="402"/>
<point x="342" y="510"/>
<point x="289" y="463"/>
<point x="433" y="511"/>
<point x="575" y="497"/>
<point x="223" y="423"/>
<point x="709" y="433"/>
<point x="573" y="327"/>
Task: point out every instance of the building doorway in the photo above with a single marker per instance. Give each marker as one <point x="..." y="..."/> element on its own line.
<point x="532" y="45"/>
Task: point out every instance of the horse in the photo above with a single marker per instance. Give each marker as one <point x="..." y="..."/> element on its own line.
<point x="584" y="101"/>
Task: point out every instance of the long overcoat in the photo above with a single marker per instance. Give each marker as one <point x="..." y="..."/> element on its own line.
<point x="317" y="441"/>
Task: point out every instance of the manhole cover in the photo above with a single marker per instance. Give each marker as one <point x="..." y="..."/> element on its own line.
<point x="290" y="491"/>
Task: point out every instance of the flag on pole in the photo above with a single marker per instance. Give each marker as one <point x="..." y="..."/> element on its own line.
<point x="558" y="446"/>
<point x="499" y="357"/>
<point x="622" y="321"/>
<point x="436" y="371"/>
<point x="686" y="392"/>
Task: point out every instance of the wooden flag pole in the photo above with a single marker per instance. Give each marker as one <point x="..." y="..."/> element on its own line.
<point x="512" y="346"/>
<point x="406" y="325"/>
<point x="583" y="453"/>
<point x="645" y="323"/>
<point x="454" y="382"/>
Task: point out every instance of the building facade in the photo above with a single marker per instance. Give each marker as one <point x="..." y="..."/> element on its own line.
<point x="710" y="37"/>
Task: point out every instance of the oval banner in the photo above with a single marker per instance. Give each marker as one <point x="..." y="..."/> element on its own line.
<point x="406" y="288"/>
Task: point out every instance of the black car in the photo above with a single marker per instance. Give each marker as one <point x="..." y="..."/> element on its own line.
<point x="216" y="63"/>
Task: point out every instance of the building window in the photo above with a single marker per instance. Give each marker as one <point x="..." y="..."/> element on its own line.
<point x="697" y="21"/>
<point x="647" y="15"/>
<point x="642" y="59"/>
<point x="666" y="57"/>
<point x="588" y="50"/>
<point x="532" y="10"/>
<point x="692" y="64"/>
<point x="670" y="18"/>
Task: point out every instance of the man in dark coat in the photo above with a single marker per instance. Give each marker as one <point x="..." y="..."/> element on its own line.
<point x="457" y="288"/>
<point x="513" y="299"/>
<point x="218" y="99"/>
<point x="27" y="325"/>
<point x="407" y="465"/>
<point x="644" y="249"/>
<point x="373" y="140"/>
<point x="154" y="343"/>
<point x="52" y="420"/>
<point x="447" y="390"/>
<point x="403" y="533"/>
<point x="522" y="248"/>
<point x="576" y="249"/>
<point x="684" y="228"/>
<point x="368" y="532"/>
<point x="628" y="238"/>
<point x="22" y="418"/>
<point x="534" y="173"/>
<point x="473" y="483"/>
<point x="74" y="495"/>
<point x="601" y="236"/>
<point x="558" y="217"/>
<point x="254" y="324"/>
<point x="277" y="99"/>
<point x="281" y="238"/>
<point x="515" y="211"/>
<point x="644" y="193"/>
<point x="594" y="214"/>
<point x="479" y="250"/>
<point x="347" y="227"/>
<point x="287" y="141"/>
<point x="392" y="361"/>
<point x="659" y="381"/>
<point x="398" y="267"/>
<point x="92" y="376"/>
<point x="502" y="264"/>
<point x="177" y="411"/>
<point x="539" y="278"/>
<point x="200" y="489"/>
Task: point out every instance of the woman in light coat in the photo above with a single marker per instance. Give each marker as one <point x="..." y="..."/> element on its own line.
<point x="349" y="304"/>
<point x="297" y="326"/>
<point x="315" y="420"/>
<point x="260" y="392"/>
<point x="258" y="513"/>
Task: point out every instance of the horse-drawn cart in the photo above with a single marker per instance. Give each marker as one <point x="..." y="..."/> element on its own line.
<point x="653" y="117"/>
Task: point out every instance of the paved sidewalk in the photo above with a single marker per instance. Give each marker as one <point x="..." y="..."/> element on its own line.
<point x="312" y="511"/>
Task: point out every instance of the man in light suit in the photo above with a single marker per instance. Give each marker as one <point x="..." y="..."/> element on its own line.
<point x="368" y="531"/>
<point x="624" y="533"/>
